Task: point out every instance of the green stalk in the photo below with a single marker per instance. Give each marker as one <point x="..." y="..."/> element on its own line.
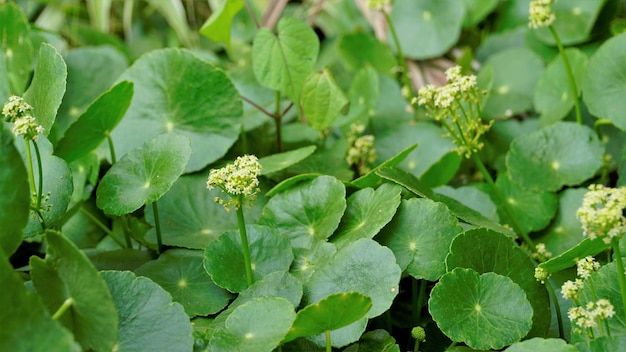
<point x="405" y="68"/>
<point x="129" y="244"/>
<point x="40" y="167"/>
<point x="157" y="223"/>
<point x="617" y="257"/>
<point x="63" y="308"/>
<point x="244" y="239"/>
<point x="329" y="345"/>
<point x="31" y="174"/>
<point x="100" y="225"/>
<point x="502" y="201"/>
<point x="570" y="75"/>
<point x="111" y="148"/>
<point x="557" y="308"/>
<point x="417" y="346"/>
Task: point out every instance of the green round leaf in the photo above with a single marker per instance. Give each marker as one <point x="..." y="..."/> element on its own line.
<point x="322" y="99"/>
<point x="143" y="175"/>
<point x="362" y="50"/>
<point x="269" y="252"/>
<point x="27" y="326"/>
<point x="180" y="273"/>
<point x="177" y="92"/>
<point x="532" y="210"/>
<point x="473" y="198"/>
<point x="149" y="320"/>
<point x="280" y="161"/>
<point x="68" y="273"/>
<point x="257" y="325"/>
<point x="603" y="343"/>
<point x="553" y="96"/>
<point x="515" y="74"/>
<point x="331" y="313"/>
<point x="377" y="340"/>
<point x="477" y="10"/>
<point x="605" y="82"/>
<point x="279" y="284"/>
<point x="367" y="211"/>
<point x="489" y="311"/>
<point x="563" y="154"/>
<point x="574" y="21"/>
<point x="363" y="266"/>
<point x="505" y="257"/>
<point x="565" y="231"/>
<point x="308" y="212"/>
<point x="90" y="72"/>
<point x="17" y="49"/>
<point x="282" y="61"/>
<point x="420" y="235"/>
<point x="429" y="28"/>
<point x="14" y="189"/>
<point x="57" y="187"/>
<point x="541" y="344"/>
<point x="48" y="86"/>
<point x="92" y="127"/>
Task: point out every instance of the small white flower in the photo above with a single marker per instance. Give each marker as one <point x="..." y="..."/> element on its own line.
<point x="27" y="127"/>
<point x="541" y="14"/>
<point x="16" y="108"/>
<point x="239" y="178"/>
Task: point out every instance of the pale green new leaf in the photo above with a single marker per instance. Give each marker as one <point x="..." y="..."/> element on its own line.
<point x="322" y="99"/>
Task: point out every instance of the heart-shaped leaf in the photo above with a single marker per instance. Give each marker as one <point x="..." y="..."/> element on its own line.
<point x="490" y="311"/>
<point x="149" y="320"/>
<point x="48" y="86"/>
<point x="322" y="99"/>
<point x="180" y="273"/>
<point x="68" y="274"/>
<point x="15" y="201"/>
<point x="269" y="252"/>
<point x="282" y="61"/>
<point x="563" y="154"/>
<point x="331" y="313"/>
<point x="218" y="26"/>
<point x="143" y="175"/>
<point x="308" y="212"/>
<point x="367" y="211"/>
<point x="605" y="81"/>
<point x="175" y="91"/>
<point x="420" y="235"/>
<point x="96" y="123"/>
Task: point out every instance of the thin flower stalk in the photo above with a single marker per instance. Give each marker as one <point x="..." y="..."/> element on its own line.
<point x="541" y="15"/>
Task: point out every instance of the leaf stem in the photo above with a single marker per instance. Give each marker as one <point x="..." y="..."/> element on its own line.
<point x="277" y="120"/>
<point x="570" y="75"/>
<point x="329" y="345"/>
<point x="126" y="229"/>
<point x="405" y="69"/>
<point x="100" y="225"/>
<point x="31" y="174"/>
<point x="501" y="200"/>
<point x="157" y="224"/>
<point x="617" y="257"/>
<point x="244" y="239"/>
<point x="251" y="13"/>
<point x="40" y="168"/>
<point x="63" y="308"/>
<point x="557" y="308"/>
<point x="111" y="147"/>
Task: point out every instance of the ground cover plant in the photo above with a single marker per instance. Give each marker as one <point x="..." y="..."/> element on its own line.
<point x="317" y="175"/>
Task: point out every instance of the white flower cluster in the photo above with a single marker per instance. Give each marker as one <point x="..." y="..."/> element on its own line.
<point x="601" y="213"/>
<point x="17" y="111"/>
<point x="570" y="289"/>
<point x="361" y="152"/>
<point x="542" y="254"/>
<point x="541" y="14"/>
<point x="237" y="179"/>
<point x="456" y="105"/>
<point x="541" y="274"/>
<point x="586" y="266"/>
<point x="589" y="315"/>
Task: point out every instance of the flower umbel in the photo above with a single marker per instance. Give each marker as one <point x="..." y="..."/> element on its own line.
<point x="15" y="108"/>
<point x="27" y="127"/>
<point x="456" y="106"/>
<point x="542" y="254"/>
<point x="601" y="213"/>
<point x="361" y="153"/>
<point x="589" y="315"/>
<point x="239" y="180"/>
<point x="586" y="266"/>
<point x="570" y="289"/>
<point x="541" y="14"/>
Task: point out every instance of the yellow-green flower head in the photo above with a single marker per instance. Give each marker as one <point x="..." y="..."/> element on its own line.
<point x="15" y="108"/>
<point x="586" y="266"/>
<point x="377" y="5"/>
<point x="588" y="316"/>
<point x="237" y="179"/>
<point x="361" y="151"/>
<point x="570" y="289"/>
<point x="541" y="274"/>
<point x="541" y="14"/>
<point x="418" y="333"/>
<point x="27" y="127"/>
<point x="601" y="212"/>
